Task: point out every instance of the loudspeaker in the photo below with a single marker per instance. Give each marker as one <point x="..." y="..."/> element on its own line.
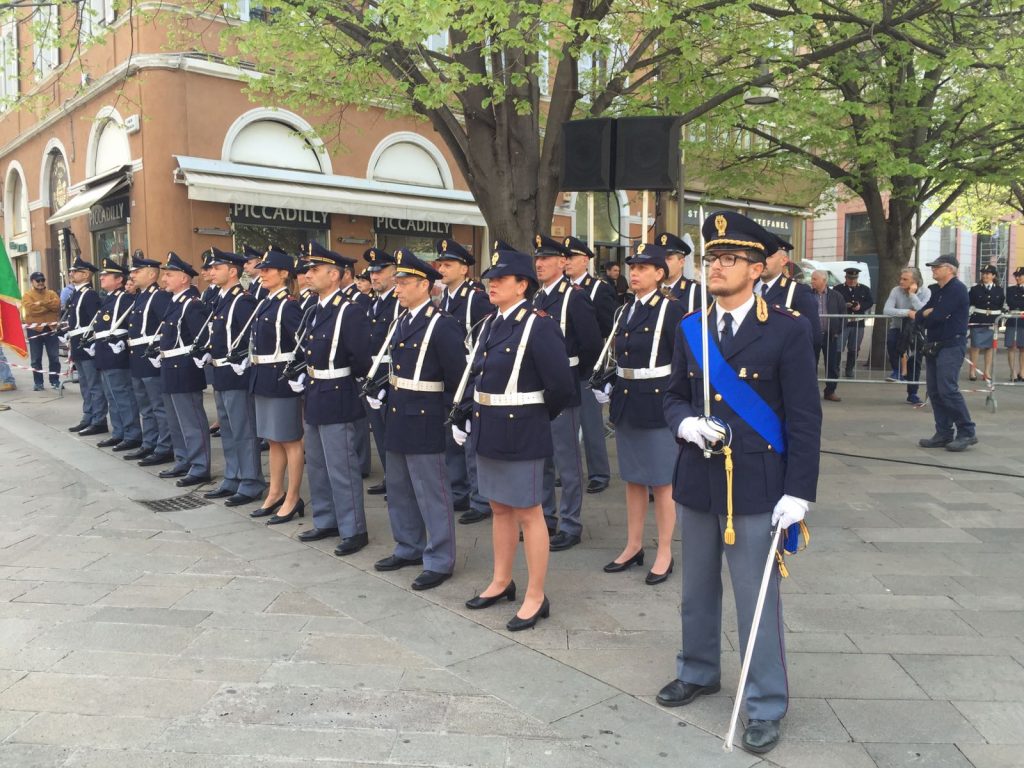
<point x="647" y="153"/>
<point x="588" y="155"/>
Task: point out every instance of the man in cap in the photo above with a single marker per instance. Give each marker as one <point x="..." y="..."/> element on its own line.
<point x="987" y="299"/>
<point x="606" y="304"/>
<point x="765" y="403"/>
<point x="687" y="292"/>
<point x="427" y="362"/>
<point x="209" y="298"/>
<point x="859" y="301"/>
<point x="252" y="258"/>
<point x="307" y="297"/>
<point x="469" y="306"/>
<point x="144" y="327"/>
<point x="776" y="288"/>
<point x="569" y="306"/>
<point x="944" y="318"/>
<point x="40" y="309"/>
<point x="229" y="331"/>
<point x="1014" y="339"/>
<point x="82" y="308"/>
<point x="110" y="339"/>
<point x="383" y="313"/>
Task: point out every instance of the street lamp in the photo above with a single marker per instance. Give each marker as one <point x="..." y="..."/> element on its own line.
<point x="762" y="95"/>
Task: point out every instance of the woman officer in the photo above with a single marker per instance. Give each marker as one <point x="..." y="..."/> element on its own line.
<point x="278" y="404"/>
<point x="646" y="447"/>
<point x="520" y="380"/>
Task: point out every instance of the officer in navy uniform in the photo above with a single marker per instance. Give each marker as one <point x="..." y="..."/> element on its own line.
<point x="307" y="296"/>
<point x="336" y="350"/>
<point x="182" y="375"/>
<point x="468" y="304"/>
<point x="427" y="362"/>
<point x="859" y="301"/>
<point x="229" y="330"/>
<point x="383" y="313"/>
<point x="110" y="339"/>
<point x="1014" y="338"/>
<point x="606" y="304"/>
<point x="209" y="297"/>
<point x="351" y="291"/>
<point x="764" y="391"/>
<point x="574" y="313"/>
<point x="677" y="249"/>
<point x="776" y="288"/>
<point x="144" y="327"/>
<point x="987" y="299"/>
<point x="82" y="307"/>
<point x="252" y="258"/>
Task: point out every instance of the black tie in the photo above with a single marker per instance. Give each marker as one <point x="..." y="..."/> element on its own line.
<point x="495" y="325"/>
<point x="725" y="338"/>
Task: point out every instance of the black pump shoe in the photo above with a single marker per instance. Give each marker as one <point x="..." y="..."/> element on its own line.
<point x="299" y="509"/>
<point x="517" y="624"/>
<point x="264" y="511"/>
<point x="614" y="567"/>
<point x="656" y="578"/>
<point x="479" y="602"/>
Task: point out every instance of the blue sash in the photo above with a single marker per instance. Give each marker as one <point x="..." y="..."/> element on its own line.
<point x="740" y="396"/>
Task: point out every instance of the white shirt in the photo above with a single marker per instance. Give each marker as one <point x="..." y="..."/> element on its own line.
<point x="324" y="302"/>
<point x="738" y="315"/>
<point x="639" y="301"/>
<point x="450" y="292"/>
<point x="505" y="315"/>
<point x="671" y="286"/>
<point x="579" y="280"/>
<point x="411" y="314"/>
<point x="767" y="285"/>
<point x="549" y="288"/>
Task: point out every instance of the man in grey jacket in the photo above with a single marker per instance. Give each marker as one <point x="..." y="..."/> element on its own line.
<point x="831" y="308"/>
<point x="909" y="295"/>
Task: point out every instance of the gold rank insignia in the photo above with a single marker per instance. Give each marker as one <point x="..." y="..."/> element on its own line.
<point x="520" y="314"/>
<point x="495" y="258"/>
<point x="337" y="300"/>
<point x="640" y="247"/>
<point x="495" y="245"/>
<point x="235" y="290"/>
<point x="464" y="291"/>
<point x="538" y="241"/>
<point x="398" y="257"/>
<point x="444" y="246"/>
<point x="664" y="239"/>
<point x="721" y="225"/>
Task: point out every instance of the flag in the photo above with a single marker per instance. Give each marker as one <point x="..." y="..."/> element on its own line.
<point x="11" y="331"/>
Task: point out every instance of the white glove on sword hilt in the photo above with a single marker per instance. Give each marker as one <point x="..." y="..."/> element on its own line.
<point x="701" y="431"/>
<point x="789" y="510"/>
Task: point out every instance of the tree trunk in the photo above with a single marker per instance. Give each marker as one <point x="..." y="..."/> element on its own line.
<point x="895" y="243"/>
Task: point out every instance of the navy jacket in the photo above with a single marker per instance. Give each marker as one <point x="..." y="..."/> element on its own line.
<point x="382" y="313"/>
<point x="307" y="298"/>
<point x="82" y="307"/>
<point x="336" y="401"/>
<point x="774" y="358"/>
<point x="357" y="297"/>
<point x="210" y="297"/>
<point x="182" y="322"/>
<point x="265" y="378"/>
<point x="415" y="420"/>
<point x="639" y="402"/>
<point x="149" y="309"/>
<point x="687" y="293"/>
<point x="948" y="318"/>
<point x="804" y="301"/>
<point x="1014" y="303"/>
<point x="238" y="305"/>
<point x="604" y="299"/>
<point x="989" y="299"/>
<point x="467" y="299"/>
<point x="835" y="304"/>
<point x="520" y="433"/>
<point x="113" y="312"/>
<point x="860" y="294"/>
<point x="582" y="334"/>
<point x="256" y="289"/>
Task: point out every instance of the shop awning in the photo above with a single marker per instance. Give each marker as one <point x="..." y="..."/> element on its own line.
<point x="223" y="182"/>
<point x="80" y="204"/>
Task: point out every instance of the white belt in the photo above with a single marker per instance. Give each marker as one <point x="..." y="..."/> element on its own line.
<point x="643" y="373"/>
<point x="143" y="340"/>
<point x="176" y="352"/>
<point x="973" y="312"/>
<point x="220" y="362"/>
<point x="318" y="374"/>
<point x="79" y="331"/>
<point x="280" y="357"/>
<point x="416" y="386"/>
<point x="100" y="335"/>
<point x="519" y="398"/>
<point x="573" y="362"/>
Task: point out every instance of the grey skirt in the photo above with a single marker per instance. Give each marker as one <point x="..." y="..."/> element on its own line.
<point x="518" y="484"/>
<point x="646" y="456"/>
<point x="279" y="418"/>
<point x="982" y="336"/>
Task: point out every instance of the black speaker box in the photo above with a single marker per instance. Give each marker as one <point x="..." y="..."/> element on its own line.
<point x="588" y="155"/>
<point x="647" y="153"/>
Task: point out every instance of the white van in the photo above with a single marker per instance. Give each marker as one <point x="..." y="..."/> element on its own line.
<point x="836" y="271"/>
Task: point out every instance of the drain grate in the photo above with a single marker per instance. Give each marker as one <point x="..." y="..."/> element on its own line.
<point x="188" y="501"/>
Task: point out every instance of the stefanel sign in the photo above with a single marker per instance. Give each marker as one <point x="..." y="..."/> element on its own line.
<point x="109" y="214"/>
<point x="242" y="213"/>
<point x="382" y="225"/>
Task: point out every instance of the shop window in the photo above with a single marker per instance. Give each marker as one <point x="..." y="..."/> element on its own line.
<point x="408" y="163"/>
<point x="46" y="47"/>
<point x="274" y="144"/>
<point x="9" y="60"/>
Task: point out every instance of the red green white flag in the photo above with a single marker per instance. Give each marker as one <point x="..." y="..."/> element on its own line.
<point x="11" y="331"/>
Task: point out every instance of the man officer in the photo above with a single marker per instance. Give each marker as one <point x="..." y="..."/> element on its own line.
<point x="572" y="310"/>
<point x="252" y="258"/>
<point x="776" y="288"/>
<point x="383" y="313"/>
<point x="81" y="309"/>
<point x="677" y="286"/>
<point x="763" y="382"/>
<point x="858" y="302"/>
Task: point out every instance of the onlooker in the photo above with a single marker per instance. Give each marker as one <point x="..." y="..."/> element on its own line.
<point x="613" y="276"/>
<point x="1014" y="339"/>
<point x="7" y="383"/>
<point x="904" y="357"/>
<point x="945" y="319"/>
<point x="831" y="308"/>
<point x="40" y="308"/>
<point x="859" y="301"/>
<point x="986" y="300"/>
<point x="65" y="294"/>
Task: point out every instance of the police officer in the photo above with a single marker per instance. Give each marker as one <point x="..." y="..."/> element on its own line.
<point x="252" y="258"/>
<point x="574" y="313"/>
<point x="110" y="339"/>
<point x="859" y="301"/>
<point x="765" y="394"/>
<point x="427" y="362"/>
<point x="687" y="292"/>
<point x="987" y="299"/>
<point x="307" y="297"/>
<point x="364" y="285"/>
<point x="209" y="297"/>
<point x="350" y="288"/>
<point x="144" y="327"/>
<point x="469" y="306"/>
<point x="776" y="288"/>
<point x="520" y="380"/>
<point x="383" y="313"/>
<point x="336" y="349"/>
<point x="82" y="307"/>
<point x="1014" y="339"/>
<point x="606" y="303"/>
<point x="229" y="330"/>
<point x="182" y="375"/>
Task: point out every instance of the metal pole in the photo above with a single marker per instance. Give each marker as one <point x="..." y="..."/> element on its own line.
<point x="644" y="215"/>
<point x="590" y="224"/>
<point x="704" y="333"/>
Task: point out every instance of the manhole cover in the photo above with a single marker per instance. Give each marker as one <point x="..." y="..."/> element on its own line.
<point x="188" y="501"/>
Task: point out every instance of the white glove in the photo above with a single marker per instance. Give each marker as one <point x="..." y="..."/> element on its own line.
<point x="117" y="347"/>
<point x="201" y="361"/>
<point x="90" y="350"/>
<point x="155" y="361"/>
<point x="239" y="368"/>
<point x="298" y="384"/>
<point x="788" y="511"/>
<point x="374" y="403"/>
<point x="63" y="338"/>
<point x="603" y="396"/>
<point x="460" y="436"/>
<point x="700" y="431"/>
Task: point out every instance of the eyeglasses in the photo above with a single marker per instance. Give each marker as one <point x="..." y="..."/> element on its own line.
<point x="725" y="259"/>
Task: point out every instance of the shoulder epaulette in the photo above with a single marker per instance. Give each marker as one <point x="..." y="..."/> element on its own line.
<point x="337" y="300"/>
<point x="430" y="311"/>
<point x="655" y="299"/>
<point x="521" y="314"/>
<point x="783" y="281"/>
<point x="785" y="310"/>
<point x="561" y="287"/>
<point x="463" y="291"/>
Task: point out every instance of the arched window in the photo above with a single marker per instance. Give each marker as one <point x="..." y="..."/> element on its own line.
<point x="274" y="144"/>
<point x="407" y="158"/>
<point x="16" y="205"/>
<point x="111" y="147"/>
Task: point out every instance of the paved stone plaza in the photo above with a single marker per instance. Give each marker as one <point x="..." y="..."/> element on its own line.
<point x="201" y="638"/>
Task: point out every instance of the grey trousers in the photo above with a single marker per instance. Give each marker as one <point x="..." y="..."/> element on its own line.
<point x="243" y="471"/>
<point x="595" y="447"/>
<point x="94" y="402"/>
<point x="124" y="411"/>
<point x="420" y="509"/>
<point x="461" y="461"/>
<point x="700" y="661"/>
<point x="335" y="486"/>
<point x="149" y="395"/>
<point x="187" y="415"/>
<point x="375" y="419"/>
<point x="363" y="445"/>
<point x="566" y="515"/>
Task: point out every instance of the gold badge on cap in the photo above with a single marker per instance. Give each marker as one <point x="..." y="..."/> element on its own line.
<point x="567" y="241"/>
<point x="640" y="248"/>
<point x="538" y="240"/>
<point x="495" y="259"/>
<point x="398" y="257"/>
<point x="444" y="246"/>
<point x="664" y="239"/>
<point x="721" y="225"/>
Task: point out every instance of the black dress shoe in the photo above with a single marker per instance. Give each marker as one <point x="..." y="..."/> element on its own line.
<point x="172" y="472"/>
<point x="473" y="516"/>
<point x="218" y="493"/>
<point x="596" y="486"/>
<point x="961" y="443"/>
<point x="264" y="511"/>
<point x="378" y="489"/>
<point x="352" y="544"/>
<point x="761" y="736"/>
<point x="108" y="442"/>
<point x="461" y="506"/>
<point x="299" y="510"/>
<point x="935" y="441"/>
<point x="656" y="578"/>
<point x="315" y="534"/>
<point x="127" y="445"/>
<point x="189" y="480"/>
<point x="238" y="499"/>
<point x="139" y="454"/>
<point x="678" y="694"/>
<point x="517" y="624"/>
<point x="563" y="540"/>
<point x="429" y="580"/>
<point x="394" y="562"/>
<point x="478" y="602"/>
<point x="614" y="567"/>
<point x="78" y="427"/>
<point x="94" y="429"/>
<point x="155" y="459"/>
